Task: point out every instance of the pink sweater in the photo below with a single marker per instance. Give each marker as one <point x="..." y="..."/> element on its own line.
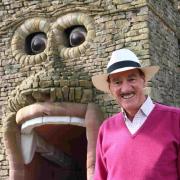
<point x="152" y="153"/>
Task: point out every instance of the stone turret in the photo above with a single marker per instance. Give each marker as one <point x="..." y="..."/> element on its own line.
<point x="49" y="51"/>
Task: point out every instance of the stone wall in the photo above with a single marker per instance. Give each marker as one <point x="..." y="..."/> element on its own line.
<point x="164" y="50"/>
<point x="150" y="28"/>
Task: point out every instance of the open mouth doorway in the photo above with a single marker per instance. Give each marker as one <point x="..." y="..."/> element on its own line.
<point x="65" y="161"/>
<point x="52" y="141"/>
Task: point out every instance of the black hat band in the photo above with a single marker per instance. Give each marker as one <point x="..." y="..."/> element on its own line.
<point x="122" y="64"/>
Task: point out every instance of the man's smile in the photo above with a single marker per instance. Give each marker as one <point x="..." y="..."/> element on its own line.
<point x="128" y="95"/>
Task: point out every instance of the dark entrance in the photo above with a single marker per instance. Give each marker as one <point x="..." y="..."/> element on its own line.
<point x="70" y="140"/>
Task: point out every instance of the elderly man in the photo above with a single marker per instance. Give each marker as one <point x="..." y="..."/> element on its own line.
<point x="143" y="141"/>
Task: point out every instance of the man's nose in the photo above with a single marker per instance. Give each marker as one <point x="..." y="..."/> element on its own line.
<point x="125" y="86"/>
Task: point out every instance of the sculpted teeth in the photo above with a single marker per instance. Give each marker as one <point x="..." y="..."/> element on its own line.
<point x="31" y="142"/>
<point x="28" y="126"/>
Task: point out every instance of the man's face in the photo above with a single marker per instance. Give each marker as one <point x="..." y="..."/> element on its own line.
<point x="127" y="88"/>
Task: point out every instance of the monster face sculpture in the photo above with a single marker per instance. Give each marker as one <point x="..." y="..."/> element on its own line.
<point x="50" y="122"/>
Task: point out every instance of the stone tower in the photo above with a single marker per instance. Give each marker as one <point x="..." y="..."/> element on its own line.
<point x="50" y="111"/>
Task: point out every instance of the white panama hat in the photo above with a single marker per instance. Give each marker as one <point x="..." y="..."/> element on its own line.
<point x="122" y="60"/>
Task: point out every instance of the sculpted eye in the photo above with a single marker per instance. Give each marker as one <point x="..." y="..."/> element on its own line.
<point x="36" y="43"/>
<point x="76" y="35"/>
<point x="30" y="41"/>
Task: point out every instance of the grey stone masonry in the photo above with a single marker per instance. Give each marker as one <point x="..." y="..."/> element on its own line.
<point x="149" y="27"/>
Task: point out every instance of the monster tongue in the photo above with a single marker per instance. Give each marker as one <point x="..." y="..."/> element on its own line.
<point x="31" y="142"/>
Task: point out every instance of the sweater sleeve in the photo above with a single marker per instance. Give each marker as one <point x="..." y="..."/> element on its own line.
<point x="100" y="166"/>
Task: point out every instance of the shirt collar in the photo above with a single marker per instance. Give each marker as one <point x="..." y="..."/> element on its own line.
<point x="146" y="108"/>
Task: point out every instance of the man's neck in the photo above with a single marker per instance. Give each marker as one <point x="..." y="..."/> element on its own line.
<point x="130" y="115"/>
